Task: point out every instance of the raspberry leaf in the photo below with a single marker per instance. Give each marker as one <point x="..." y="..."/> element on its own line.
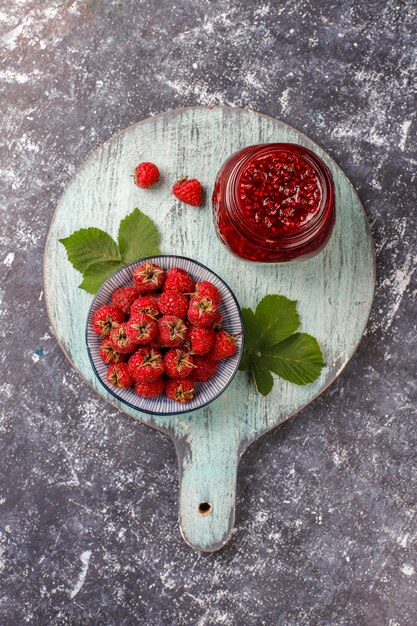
<point x="138" y="237"/>
<point x="96" y="255"/>
<point x="297" y="359"/>
<point x="276" y="319"/>
<point x="89" y="246"/>
<point x="271" y="345"/>
<point x="95" y="275"/>
<point x="263" y="377"/>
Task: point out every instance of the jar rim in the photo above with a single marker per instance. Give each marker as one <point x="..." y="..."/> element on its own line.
<point x="304" y="233"/>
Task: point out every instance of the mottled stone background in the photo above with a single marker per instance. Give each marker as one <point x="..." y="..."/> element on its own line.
<point x="326" y="530"/>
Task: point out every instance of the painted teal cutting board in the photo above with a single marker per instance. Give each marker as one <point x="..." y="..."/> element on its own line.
<point x="334" y="289"/>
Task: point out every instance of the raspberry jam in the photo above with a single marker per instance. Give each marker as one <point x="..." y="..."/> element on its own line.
<point x="274" y="203"/>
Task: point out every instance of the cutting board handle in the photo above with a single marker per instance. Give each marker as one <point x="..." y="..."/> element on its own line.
<point x="207" y="473"/>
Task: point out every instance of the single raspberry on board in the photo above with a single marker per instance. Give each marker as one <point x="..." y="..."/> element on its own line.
<point x="188" y="190"/>
<point x="146" y="175"/>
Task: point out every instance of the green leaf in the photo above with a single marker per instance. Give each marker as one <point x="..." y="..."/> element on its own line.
<point x="249" y="323"/>
<point x="276" y="319"/>
<point x="94" y="253"/>
<point x="96" y="274"/>
<point x="263" y="377"/>
<point x="138" y="237"/>
<point x="271" y="345"/>
<point x="297" y="359"/>
<point x="89" y="246"/>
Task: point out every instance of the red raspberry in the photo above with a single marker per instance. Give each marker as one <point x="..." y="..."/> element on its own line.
<point x="145" y="365"/>
<point x="148" y="276"/>
<point x="106" y="318"/>
<point x="145" y="175"/>
<point x="150" y="390"/>
<point x="205" y="368"/>
<point x="145" y="304"/>
<point x="201" y="339"/>
<point x="178" y="363"/>
<point x="172" y="331"/>
<point x="141" y="328"/>
<point x="224" y="346"/>
<point x="178" y="280"/>
<point x="173" y="303"/>
<point x="109" y="354"/>
<point x="181" y="390"/>
<point x="202" y="312"/>
<point x="205" y="289"/>
<point x="121" y="341"/>
<point x="124" y="297"/>
<point x="118" y="375"/>
<point x="217" y="324"/>
<point x="188" y="191"/>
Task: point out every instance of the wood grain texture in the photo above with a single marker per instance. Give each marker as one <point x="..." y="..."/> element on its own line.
<point x="334" y="290"/>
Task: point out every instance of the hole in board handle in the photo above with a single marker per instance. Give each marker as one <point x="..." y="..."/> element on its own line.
<point x="204" y="508"/>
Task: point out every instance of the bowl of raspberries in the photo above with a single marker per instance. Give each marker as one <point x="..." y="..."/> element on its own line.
<point x="165" y="335"/>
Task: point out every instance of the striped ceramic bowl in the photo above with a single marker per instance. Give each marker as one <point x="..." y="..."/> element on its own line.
<point x="205" y="392"/>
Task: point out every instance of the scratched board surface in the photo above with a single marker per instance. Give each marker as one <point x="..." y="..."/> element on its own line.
<point x="334" y="289"/>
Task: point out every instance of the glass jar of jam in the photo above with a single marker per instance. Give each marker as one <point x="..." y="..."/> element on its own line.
<point x="274" y="203"/>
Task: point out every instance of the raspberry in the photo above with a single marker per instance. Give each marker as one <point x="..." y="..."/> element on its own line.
<point x="173" y="303"/>
<point x="172" y="331"/>
<point x="118" y="375"/>
<point x="106" y="318"/>
<point x="121" y="341"/>
<point x="181" y="390"/>
<point x="145" y="175"/>
<point x="201" y="339"/>
<point x="141" y="328"/>
<point x="124" y="297"/>
<point x="150" y="390"/>
<point x="145" y="304"/>
<point x="109" y="354"/>
<point x="204" y="368"/>
<point x="205" y="289"/>
<point x="202" y="312"/>
<point x="145" y="365"/>
<point x="178" y="363"/>
<point x="224" y="346"/>
<point x="188" y="191"/>
<point x="178" y="280"/>
<point x="148" y="276"/>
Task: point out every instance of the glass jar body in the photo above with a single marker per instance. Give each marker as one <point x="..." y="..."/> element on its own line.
<point x="254" y="218"/>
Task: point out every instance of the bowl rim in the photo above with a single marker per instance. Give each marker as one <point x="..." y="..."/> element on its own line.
<point x="185" y="409"/>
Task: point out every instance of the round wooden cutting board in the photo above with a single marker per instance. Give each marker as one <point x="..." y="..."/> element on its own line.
<point x="334" y="290"/>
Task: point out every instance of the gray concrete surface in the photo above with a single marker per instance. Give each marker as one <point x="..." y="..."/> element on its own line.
<point x="326" y="530"/>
